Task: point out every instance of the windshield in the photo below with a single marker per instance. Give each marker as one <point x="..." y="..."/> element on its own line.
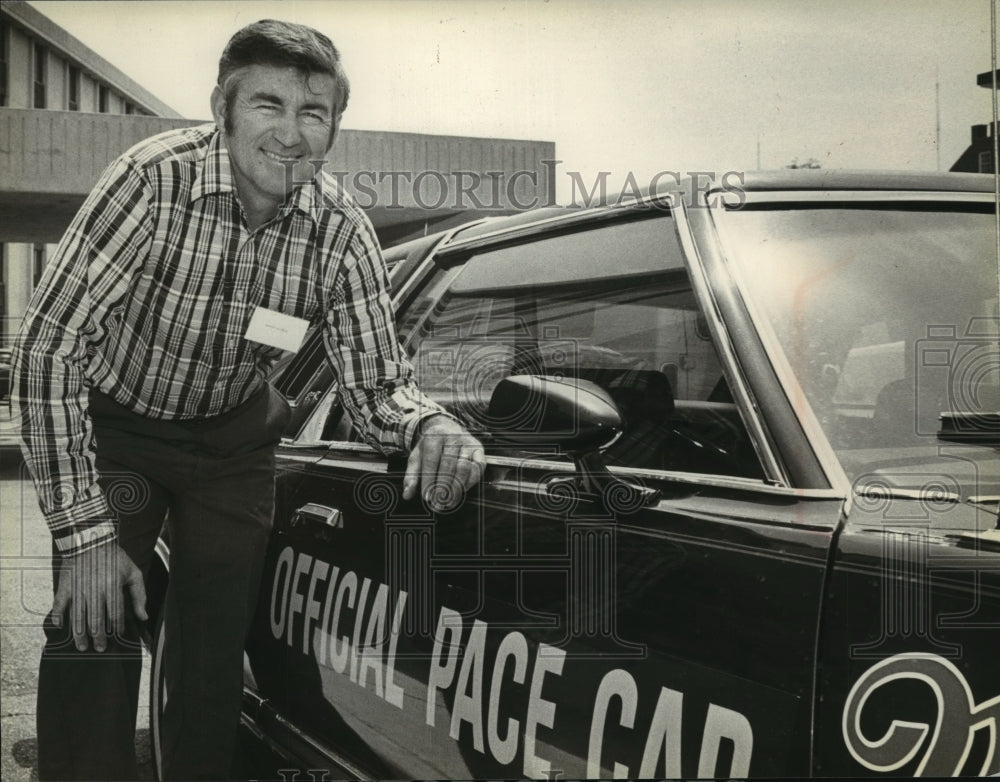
<point x="888" y="318"/>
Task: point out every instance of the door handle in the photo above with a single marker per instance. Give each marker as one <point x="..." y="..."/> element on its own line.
<point x="321" y="514"/>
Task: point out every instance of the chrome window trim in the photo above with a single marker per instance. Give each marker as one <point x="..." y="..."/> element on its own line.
<point x="574" y="215"/>
<point x="762" y="444"/>
<point x="707" y="480"/>
<point x="818" y="441"/>
<point x="411" y="281"/>
<point x="342" y="445"/>
<point x="834" y="196"/>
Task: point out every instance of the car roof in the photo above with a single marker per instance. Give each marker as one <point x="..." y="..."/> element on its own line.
<point x="783" y="180"/>
<point x="819" y="179"/>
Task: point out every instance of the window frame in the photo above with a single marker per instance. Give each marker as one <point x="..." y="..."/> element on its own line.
<point x="4" y="63"/>
<point x="449" y="263"/>
<point x="39" y="260"/>
<point x="39" y="75"/>
<point x="446" y="255"/>
<point x="74" y="85"/>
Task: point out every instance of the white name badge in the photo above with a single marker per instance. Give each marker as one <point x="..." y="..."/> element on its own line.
<point x="276" y="329"/>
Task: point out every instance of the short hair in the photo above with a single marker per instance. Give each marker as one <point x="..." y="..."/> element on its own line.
<point x="283" y="44"/>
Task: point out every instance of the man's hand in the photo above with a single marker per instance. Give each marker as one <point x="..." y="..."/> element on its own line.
<point x="91" y="586"/>
<point x="446" y="462"/>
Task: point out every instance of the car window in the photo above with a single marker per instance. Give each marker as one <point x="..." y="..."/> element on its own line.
<point x="306" y="380"/>
<point x="854" y="297"/>
<point x="612" y="305"/>
<point x="409" y="253"/>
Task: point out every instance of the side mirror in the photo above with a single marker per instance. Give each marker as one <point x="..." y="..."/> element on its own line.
<point x="577" y="416"/>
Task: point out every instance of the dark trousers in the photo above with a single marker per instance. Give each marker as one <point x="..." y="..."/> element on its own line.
<point x="213" y="482"/>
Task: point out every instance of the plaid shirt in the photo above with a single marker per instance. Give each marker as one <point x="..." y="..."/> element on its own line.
<point x="150" y="292"/>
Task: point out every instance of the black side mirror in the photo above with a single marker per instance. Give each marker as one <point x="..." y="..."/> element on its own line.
<point x="577" y="416"/>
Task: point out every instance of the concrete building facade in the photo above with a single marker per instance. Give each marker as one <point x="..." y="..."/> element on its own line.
<point x="66" y="113"/>
<point x="45" y="71"/>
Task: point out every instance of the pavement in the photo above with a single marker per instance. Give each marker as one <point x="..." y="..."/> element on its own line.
<point x="25" y="597"/>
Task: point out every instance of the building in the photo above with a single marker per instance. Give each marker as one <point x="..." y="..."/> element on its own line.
<point x="66" y="112"/>
<point x="978" y="158"/>
<point x="52" y="87"/>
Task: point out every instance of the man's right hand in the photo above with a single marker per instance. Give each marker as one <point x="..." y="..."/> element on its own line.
<point x="91" y="586"/>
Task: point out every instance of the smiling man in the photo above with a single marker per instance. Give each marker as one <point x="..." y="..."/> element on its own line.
<point x="140" y="384"/>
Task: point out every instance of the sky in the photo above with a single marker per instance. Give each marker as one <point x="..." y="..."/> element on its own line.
<point x="627" y="87"/>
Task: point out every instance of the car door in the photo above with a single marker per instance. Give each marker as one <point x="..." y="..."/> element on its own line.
<point x="657" y="618"/>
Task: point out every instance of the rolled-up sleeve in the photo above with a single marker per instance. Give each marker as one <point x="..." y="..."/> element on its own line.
<point x="68" y="318"/>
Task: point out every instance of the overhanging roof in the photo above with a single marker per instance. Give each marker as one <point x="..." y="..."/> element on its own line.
<point x="50" y="160"/>
<point x="70" y="48"/>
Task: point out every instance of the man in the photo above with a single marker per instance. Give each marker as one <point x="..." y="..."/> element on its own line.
<point x="139" y="377"/>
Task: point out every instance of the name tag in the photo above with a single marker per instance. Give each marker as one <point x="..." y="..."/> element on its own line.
<point x="276" y="329"/>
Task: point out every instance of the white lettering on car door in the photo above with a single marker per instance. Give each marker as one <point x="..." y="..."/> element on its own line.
<point x="368" y="653"/>
<point x="513" y="646"/>
<point x="461" y="667"/>
<point x="663" y="737"/>
<point x="466" y="706"/>
<point x="540" y="711"/>
<point x="443" y="672"/>
<point x="722" y="723"/>
<point x="615" y="684"/>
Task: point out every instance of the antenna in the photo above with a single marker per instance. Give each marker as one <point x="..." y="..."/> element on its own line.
<point x="996" y="142"/>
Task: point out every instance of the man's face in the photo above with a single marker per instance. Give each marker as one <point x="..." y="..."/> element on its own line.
<point x="277" y="122"/>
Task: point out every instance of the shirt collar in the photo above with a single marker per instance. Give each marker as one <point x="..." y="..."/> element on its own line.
<point x="216" y="176"/>
<point x="305" y="198"/>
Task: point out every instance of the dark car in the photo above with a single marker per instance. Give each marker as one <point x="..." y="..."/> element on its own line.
<point x="739" y="518"/>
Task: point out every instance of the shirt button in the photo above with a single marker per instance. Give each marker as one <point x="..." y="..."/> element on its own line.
<point x="232" y="342"/>
<point x="238" y="295"/>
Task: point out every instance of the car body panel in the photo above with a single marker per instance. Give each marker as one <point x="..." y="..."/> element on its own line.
<point x="912" y="619"/>
<point x="525" y="578"/>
